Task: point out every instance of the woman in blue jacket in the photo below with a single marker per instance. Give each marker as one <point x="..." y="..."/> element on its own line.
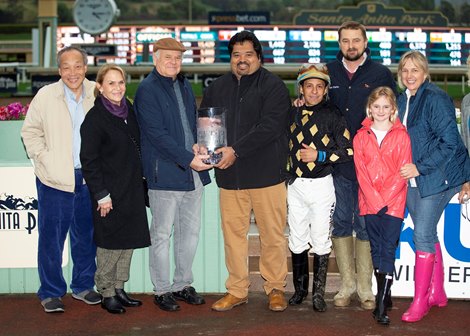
<point x="440" y="167"/>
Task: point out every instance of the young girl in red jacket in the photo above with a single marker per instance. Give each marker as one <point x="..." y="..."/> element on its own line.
<point x="381" y="147"/>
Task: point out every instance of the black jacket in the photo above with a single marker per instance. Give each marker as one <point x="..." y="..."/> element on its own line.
<point x="111" y="164"/>
<point x="257" y="108"/>
<point x="350" y="96"/>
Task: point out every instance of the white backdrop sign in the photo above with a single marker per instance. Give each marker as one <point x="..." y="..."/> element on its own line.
<point x="18" y="236"/>
<point x="19" y="219"/>
<point x="454" y="236"/>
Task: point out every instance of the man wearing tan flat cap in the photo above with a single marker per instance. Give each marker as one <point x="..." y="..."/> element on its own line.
<point x="166" y="111"/>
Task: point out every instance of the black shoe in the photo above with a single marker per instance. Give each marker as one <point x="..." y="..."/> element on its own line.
<point x="88" y="296"/>
<point x="53" y="305"/>
<point x="112" y="305"/>
<point x="125" y="300"/>
<point x="319" y="303"/>
<point x="320" y="268"/>
<point x="298" y="297"/>
<point x="189" y="295"/>
<point x="388" y="297"/>
<point x="299" y="277"/>
<point x="166" y="302"/>
<point x="383" y="287"/>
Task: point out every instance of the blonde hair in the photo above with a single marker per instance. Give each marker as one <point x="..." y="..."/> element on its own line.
<point x="418" y="60"/>
<point x="102" y="73"/>
<point x="382" y="91"/>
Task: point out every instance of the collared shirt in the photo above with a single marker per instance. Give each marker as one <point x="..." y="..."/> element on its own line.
<point x="77" y="115"/>
<point x="364" y="58"/>
<point x="405" y="122"/>
<point x="188" y="135"/>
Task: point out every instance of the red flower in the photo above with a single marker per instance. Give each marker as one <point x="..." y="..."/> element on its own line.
<point x="3" y="113"/>
<point x="13" y="111"/>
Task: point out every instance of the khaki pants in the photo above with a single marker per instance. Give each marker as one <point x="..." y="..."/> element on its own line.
<point x="270" y="208"/>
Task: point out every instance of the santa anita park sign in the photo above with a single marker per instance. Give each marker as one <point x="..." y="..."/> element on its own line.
<point x="371" y="14"/>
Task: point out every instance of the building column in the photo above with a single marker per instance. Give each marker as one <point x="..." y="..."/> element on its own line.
<point x="47" y="24"/>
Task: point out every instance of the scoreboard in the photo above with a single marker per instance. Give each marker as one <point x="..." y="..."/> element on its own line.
<point x="442" y="46"/>
<point x="286" y="44"/>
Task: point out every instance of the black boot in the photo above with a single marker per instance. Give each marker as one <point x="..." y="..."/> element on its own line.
<point x="299" y="277"/>
<point x="378" y="280"/>
<point x="320" y="268"/>
<point x="385" y="281"/>
<point x="112" y="305"/>
<point x="388" y="297"/>
<point x="125" y="300"/>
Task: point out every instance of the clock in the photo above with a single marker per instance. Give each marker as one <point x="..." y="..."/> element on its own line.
<point x="94" y="16"/>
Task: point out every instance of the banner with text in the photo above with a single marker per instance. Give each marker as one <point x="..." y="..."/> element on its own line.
<point x="454" y="236"/>
<point x="19" y="219"/>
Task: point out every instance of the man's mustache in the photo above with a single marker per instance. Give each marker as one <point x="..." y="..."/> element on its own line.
<point x="242" y="63"/>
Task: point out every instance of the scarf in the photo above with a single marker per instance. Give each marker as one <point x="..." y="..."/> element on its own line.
<point x="120" y="111"/>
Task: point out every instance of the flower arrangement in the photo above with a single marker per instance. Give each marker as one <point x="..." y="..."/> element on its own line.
<point x="13" y="111"/>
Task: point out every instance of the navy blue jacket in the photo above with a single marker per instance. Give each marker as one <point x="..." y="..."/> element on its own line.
<point x="350" y="96"/>
<point x="164" y="156"/>
<point x="437" y="148"/>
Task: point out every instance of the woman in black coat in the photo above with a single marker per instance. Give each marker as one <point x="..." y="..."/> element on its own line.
<point x="110" y="157"/>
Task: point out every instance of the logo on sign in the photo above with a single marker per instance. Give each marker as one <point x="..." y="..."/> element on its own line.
<point x="18" y="213"/>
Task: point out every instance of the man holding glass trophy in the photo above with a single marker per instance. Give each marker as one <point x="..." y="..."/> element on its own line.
<point x="250" y="171"/>
<point x="166" y="111"/>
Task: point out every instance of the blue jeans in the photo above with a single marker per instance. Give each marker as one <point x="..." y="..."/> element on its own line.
<point x="384" y="233"/>
<point x="176" y="213"/>
<point x="60" y="212"/>
<point x="425" y="213"/>
<point x="346" y="217"/>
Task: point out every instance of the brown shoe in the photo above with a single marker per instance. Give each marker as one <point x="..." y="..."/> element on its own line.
<point x="277" y="301"/>
<point x="228" y="302"/>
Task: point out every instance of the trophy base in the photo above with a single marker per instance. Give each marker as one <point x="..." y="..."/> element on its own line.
<point x="214" y="158"/>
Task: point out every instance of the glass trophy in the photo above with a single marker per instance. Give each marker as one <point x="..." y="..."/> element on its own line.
<point x="211" y="132"/>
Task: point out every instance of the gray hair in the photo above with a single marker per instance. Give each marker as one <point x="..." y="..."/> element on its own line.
<point x="72" y="48"/>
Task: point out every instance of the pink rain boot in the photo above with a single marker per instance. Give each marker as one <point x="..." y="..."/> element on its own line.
<point x="423" y="272"/>
<point x="437" y="293"/>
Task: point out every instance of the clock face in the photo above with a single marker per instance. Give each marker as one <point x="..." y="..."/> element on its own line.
<point x="94" y="16"/>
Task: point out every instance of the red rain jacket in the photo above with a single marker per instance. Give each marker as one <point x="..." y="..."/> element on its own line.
<point x="377" y="169"/>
